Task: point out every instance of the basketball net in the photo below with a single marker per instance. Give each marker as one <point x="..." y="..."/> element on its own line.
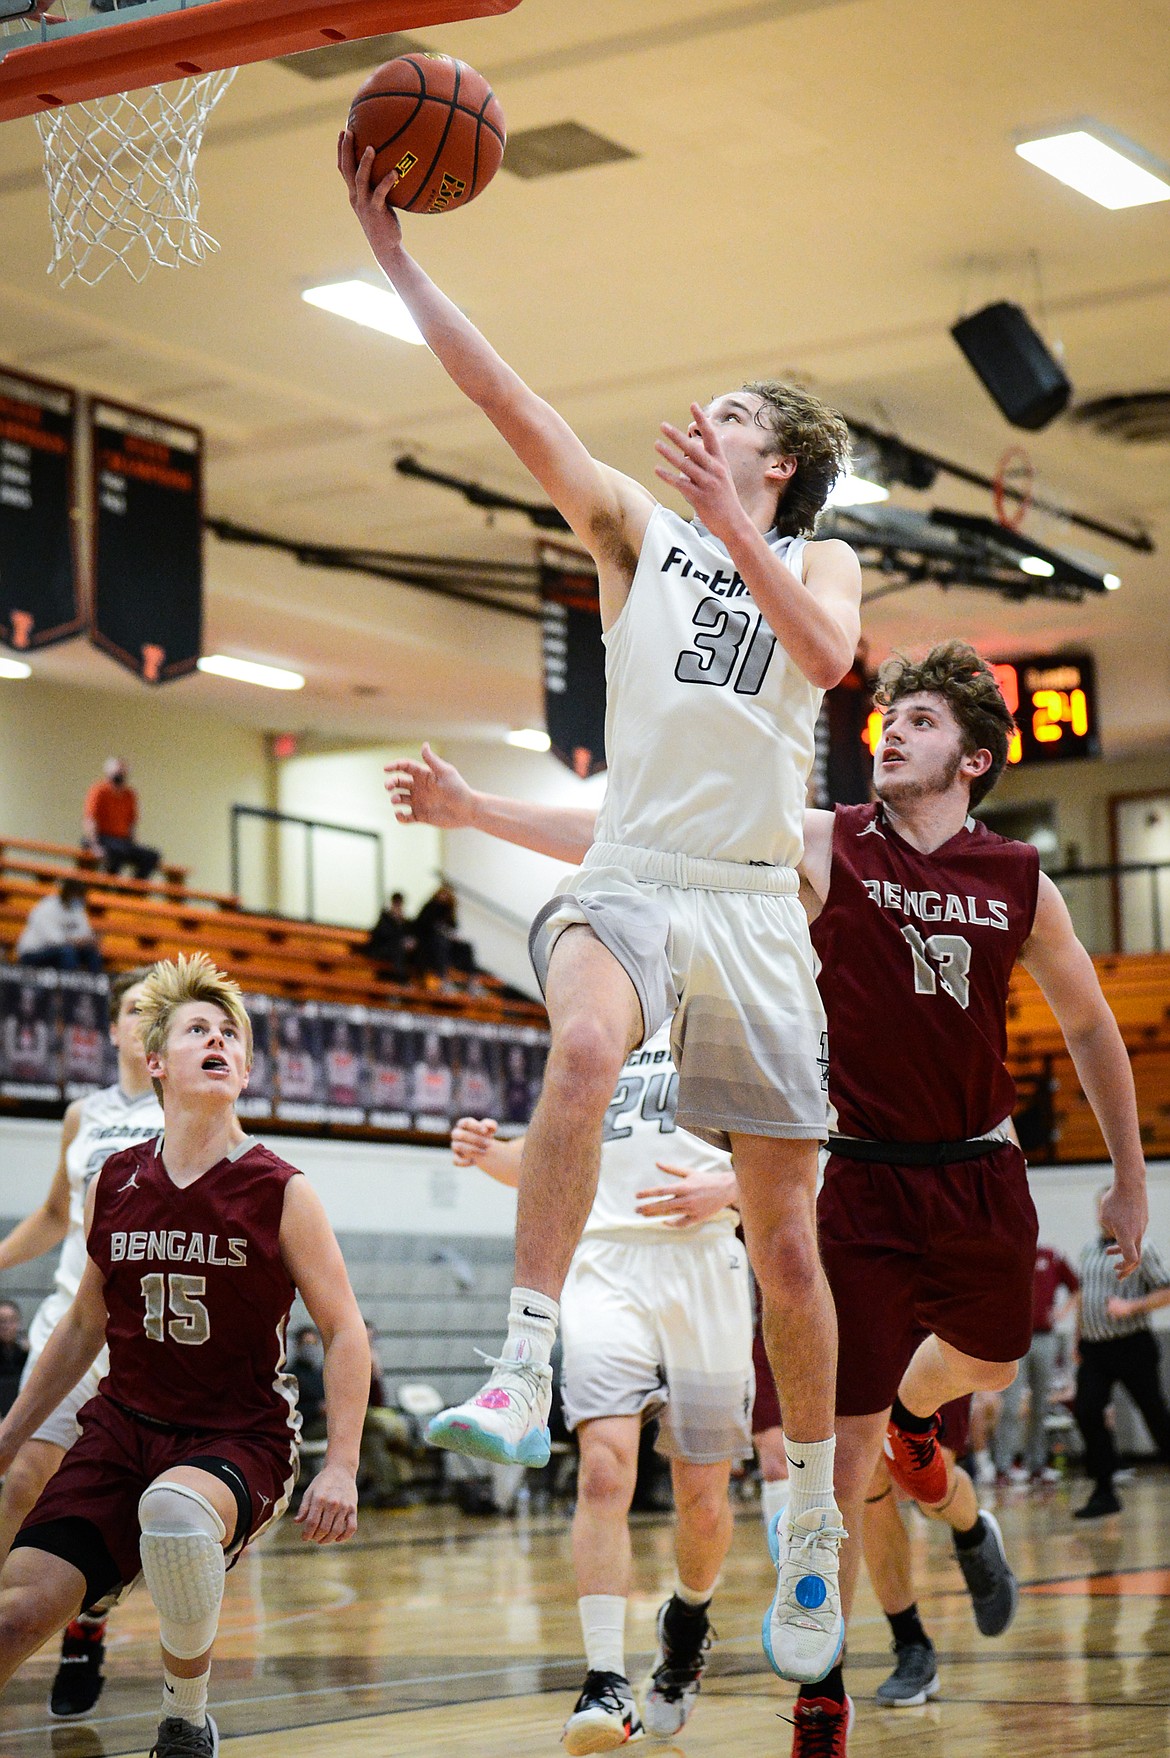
<point x="121" y="177"/>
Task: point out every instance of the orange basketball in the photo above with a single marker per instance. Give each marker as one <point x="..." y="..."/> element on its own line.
<point x="437" y="123"/>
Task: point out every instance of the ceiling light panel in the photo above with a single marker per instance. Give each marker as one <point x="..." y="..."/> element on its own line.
<point x="247" y="671"/>
<point x="1110" y="170"/>
<point x="376" y="308"/>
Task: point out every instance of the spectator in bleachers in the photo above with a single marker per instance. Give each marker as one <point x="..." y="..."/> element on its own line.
<point x="59" y="933"/>
<point x="307" y="1365"/>
<point x="13" y="1353"/>
<point x="383" y="1468"/>
<point x="437" y="946"/>
<point x="111" y="818"/>
<point x="391" y="940"/>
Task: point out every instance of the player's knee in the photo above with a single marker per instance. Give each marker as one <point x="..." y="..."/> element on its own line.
<point x="182" y="1559"/>
<point x="996" y="1376"/>
<point x="788" y="1273"/>
<point x="583" y="1064"/>
<point x="702" y="1509"/>
<point x="23" y="1484"/>
<point x="23" y="1623"/>
<point x="605" y="1479"/>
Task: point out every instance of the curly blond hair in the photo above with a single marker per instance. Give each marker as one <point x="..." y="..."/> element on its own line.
<point x="800" y="426"/>
<point x="173" y="982"/>
<point x="965" y="681"/>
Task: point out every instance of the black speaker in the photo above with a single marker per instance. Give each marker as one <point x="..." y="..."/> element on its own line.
<point x="1013" y="364"/>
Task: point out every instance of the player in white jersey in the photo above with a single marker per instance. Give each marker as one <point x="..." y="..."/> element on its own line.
<point x="95" y="1127"/>
<point x="655" y="1321"/>
<point x="721" y="636"/>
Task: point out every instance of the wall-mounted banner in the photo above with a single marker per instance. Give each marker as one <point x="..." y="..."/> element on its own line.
<point x="147" y="541"/>
<point x="574" y="664"/>
<point x="40" y="588"/>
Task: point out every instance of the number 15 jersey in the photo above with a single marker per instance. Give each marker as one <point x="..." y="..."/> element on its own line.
<point x="197" y="1294"/>
<point x="916" y="956"/>
<point x="709" y="724"/>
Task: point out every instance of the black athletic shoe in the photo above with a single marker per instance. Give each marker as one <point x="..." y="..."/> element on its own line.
<point x="994" y="1590"/>
<point x="914" y="1678"/>
<point x="604" y="1716"/>
<point x="1102" y="1501"/>
<point x="675" y="1679"/>
<point x="182" y="1739"/>
<point x="79" y="1680"/>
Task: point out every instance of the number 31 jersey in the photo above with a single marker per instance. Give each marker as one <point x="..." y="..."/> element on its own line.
<point x="709" y="724"/>
<point x="197" y="1295"/>
<point x="916" y="956"/>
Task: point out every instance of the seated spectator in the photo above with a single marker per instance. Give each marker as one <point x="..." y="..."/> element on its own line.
<point x="384" y="1465"/>
<point x="390" y="940"/>
<point x="111" y="817"/>
<point x="58" y="933"/>
<point x="306" y="1364"/>
<point x="437" y="947"/>
<point x="13" y="1353"/>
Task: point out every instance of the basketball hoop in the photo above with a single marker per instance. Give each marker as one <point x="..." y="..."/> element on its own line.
<point x="1015" y="480"/>
<point x="121" y="177"/>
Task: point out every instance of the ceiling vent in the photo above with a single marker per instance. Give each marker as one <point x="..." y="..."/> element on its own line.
<point x="1135" y="417"/>
<point x="561" y="146"/>
<point x="351" y="58"/>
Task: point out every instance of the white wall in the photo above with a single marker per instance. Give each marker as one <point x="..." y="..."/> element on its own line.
<point x="189" y="768"/>
<point x="346" y="787"/>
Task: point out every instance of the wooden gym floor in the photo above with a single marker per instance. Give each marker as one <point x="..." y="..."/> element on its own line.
<point x="436" y="1634"/>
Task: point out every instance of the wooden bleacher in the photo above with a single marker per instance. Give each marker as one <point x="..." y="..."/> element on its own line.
<point x="140" y="920"/>
<point x="1137" y="987"/>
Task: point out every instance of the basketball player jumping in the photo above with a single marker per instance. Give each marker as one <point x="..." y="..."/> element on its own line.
<point x="188" y="1449"/>
<point x="95" y="1127"/>
<point x="926" y="1224"/>
<point x="721" y="636"/>
<point x="656" y="1320"/>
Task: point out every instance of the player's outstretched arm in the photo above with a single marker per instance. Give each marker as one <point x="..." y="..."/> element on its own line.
<point x="606" y="510"/>
<point x="1064" y="971"/>
<point x="311" y="1255"/>
<point x="474" y="1143"/>
<point x="430" y="791"/>
<point x="69" y="1352"/>
<point x="47" y="1226"/>
<point x="817" y="619"/>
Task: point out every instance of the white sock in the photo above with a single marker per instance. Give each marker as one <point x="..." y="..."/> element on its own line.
<point x="603" y="1625"/>
<point x="774" y="1494"/>
<point x="810" y="1473"/>
<point x="185" y="1697"/>
<point x="532" y="1326"/>
<point x="694" y="1596"/>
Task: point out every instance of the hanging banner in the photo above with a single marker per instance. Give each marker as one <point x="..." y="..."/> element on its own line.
<point x="30" y="1034"/>
<point x="147" y="541"/>
<point x="574" y="665"/>
<point x="40" y="588"/>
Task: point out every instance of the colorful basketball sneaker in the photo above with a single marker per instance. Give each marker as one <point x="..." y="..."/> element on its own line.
<point x="916" y="1462"/>
<point x="605" y="1716"/>
<point x="804" y="1631"/>
<point x="676" y="1676"/>
<point x="506" y="1422"/>
<point x="820" y="1727"/>
<point x="79" y="1679"/>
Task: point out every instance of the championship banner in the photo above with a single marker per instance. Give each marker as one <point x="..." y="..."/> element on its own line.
<point x="574" y="665"/>
<point x="147" y="541"/>
<point x="30" y="1038"/>
<point x="843" y="764"/>
<point x="88" y="1059"/>
<point x="387" y="1077"/>
<point x="343" y="1031"/>
<point x="40" y="589"/>
<point x="300" y="1069"/>
<point x="258" y="1097"/>
<point x="432" y="1078"/>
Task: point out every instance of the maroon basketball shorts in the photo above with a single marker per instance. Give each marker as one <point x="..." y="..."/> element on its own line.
<point x="766" y="1408"/>
<point x="955" y="1427"/>
<point x="915" y="1250"/>
<point x="88" y="1511"/>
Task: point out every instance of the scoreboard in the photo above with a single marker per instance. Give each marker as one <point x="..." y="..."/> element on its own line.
<point x="1054" y="700"/>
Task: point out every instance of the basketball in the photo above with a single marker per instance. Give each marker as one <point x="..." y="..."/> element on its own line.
<point x="438" y="123"/>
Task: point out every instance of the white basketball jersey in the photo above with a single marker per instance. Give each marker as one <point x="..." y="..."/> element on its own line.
<point x="109" y="1121"/>
<point x="639" y="1131"/>
<point x="709" y="723"/>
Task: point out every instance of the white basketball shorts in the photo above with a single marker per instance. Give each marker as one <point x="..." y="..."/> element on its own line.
<point x="662" y="1327"/>
<point x="60" y="1428"/>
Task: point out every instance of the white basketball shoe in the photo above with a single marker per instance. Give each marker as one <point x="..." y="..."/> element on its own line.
<point x="506" y="1422"/>
<point x="804" y="1631"/>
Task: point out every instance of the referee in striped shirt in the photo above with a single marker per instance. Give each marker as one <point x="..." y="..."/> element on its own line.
<point x="1116" y="1343"/>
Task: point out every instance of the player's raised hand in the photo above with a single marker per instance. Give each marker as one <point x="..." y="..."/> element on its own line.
<point x="429" y="792"/>
<point x="693" y="1197"/>
<point x="471" y="1138"/>
<point x="328" y="1510"/>
<point x="1125" y="1216"/>
<point x="379" y="221"/>
<point x="699" y="471"/>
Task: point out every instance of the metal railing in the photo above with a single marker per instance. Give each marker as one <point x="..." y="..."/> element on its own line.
<point x="311" y="827"/>
<point x="1122" y="907"/>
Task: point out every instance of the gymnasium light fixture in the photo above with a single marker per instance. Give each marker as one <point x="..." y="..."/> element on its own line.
<point x="856" y="491"/>
<point x="1038" y="566"/>
<point x="378" y="308"/>
<point x="528" y="738"/>
<point x="1110" y="170"/>
<point x="247" y="671"/>
<point x="1111" y="582"/>
<point x="14" y="668"/>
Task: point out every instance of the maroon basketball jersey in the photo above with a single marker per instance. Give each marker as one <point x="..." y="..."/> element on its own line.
<point x="197" y="1295"/>
<point x="916" y="952"/>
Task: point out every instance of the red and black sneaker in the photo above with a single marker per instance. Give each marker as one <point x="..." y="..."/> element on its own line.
<point x="820" y="1727"/>
<point x="79" y="1680"/>
<point x="915" y="1462"/>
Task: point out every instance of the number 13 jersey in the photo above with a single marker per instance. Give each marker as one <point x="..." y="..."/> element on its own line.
<point x="709" y="724"/>
<point x="916" y="956"/>
<point x="197" y="1294"/>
